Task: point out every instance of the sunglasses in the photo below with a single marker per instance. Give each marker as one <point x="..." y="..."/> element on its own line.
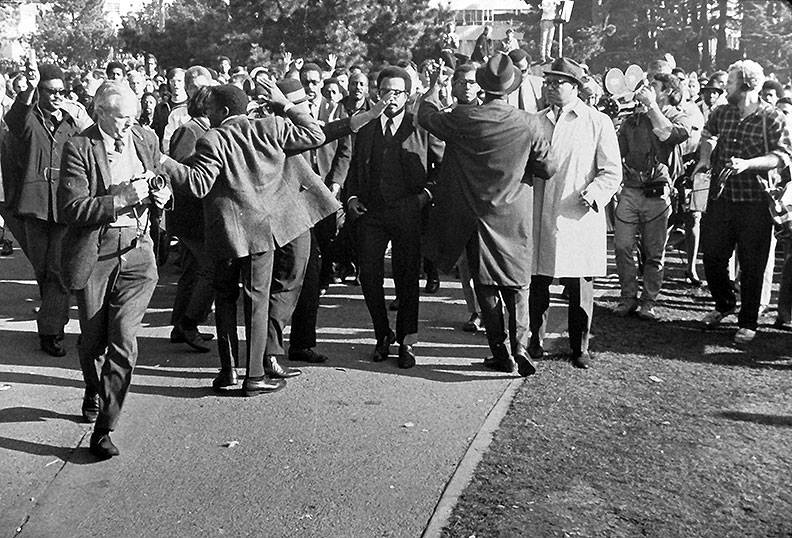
<point x="55" y="91"/>
<point x="555" y="83"/>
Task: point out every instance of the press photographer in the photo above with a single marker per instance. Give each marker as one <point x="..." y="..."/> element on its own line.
<point x="650" y="143"/>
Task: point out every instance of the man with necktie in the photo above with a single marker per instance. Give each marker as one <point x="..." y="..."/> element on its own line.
<point x="106" y="197"/>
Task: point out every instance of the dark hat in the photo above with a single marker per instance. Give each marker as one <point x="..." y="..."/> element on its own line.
<point x="564" y="67"/>
<point x="293" y="90"/>
<point x="49" y="72"/>
<point x="708" y="88"/>
<point x="518" y="55"/>
<point x="499" y="76"/>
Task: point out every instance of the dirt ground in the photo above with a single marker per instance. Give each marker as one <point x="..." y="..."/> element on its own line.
<point x="673" y="432"/>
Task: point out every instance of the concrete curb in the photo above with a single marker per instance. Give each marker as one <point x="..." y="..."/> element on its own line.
<point x="463" y="473"/>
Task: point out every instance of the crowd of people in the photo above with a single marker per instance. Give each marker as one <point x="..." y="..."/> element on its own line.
<point x="289" y="177"/>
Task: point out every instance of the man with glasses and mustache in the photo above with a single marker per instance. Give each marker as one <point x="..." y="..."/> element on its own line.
<point x="39" y="128"/>
<point x="387" y="191"/>
<point x="569" y="209"/>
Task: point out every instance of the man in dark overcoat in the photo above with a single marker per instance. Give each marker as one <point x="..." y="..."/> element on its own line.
<point x="483" y="202"/>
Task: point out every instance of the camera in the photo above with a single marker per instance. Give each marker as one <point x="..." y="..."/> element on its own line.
<point x="155" y="183"/>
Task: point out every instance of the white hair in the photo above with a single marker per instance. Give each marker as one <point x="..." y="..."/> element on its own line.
<point x="751" y="73"/>
<point x="112" y="93"/>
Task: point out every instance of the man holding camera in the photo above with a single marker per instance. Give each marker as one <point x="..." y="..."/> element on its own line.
<point x="649" y="141"/>
<point x="106" y="195"/>
<point x="742" y="141"/>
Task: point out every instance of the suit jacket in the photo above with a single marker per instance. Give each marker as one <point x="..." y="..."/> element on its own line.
<point x="238" y="169"/>
<point x="186" y="218"/>
<point x="531" y="91"/>
<point x="33" y="156"/>
<point x="84" y="201"/>
<point x="419" y="153"/>
<point x="332" y="158"/>
<point x="492" y="151"/>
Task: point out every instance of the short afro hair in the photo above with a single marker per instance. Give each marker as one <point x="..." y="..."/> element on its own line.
<point x="231" y="97"/>
<point x="771" y="84"/>
<point x="395" y="72"/>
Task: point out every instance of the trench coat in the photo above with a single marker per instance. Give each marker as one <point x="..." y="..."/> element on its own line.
<point x="482" y="193"/>
<point x="570" y="240"/>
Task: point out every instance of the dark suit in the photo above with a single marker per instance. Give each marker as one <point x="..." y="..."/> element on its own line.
<point x="387" y="175"/>
<point x="112" y="269"/>
<point x="33" y="167"/>
<point x="238" y="169"/>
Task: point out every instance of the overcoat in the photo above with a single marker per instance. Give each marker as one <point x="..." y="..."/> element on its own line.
<point x="571" y="240"/>
<point x="492" y="152"/>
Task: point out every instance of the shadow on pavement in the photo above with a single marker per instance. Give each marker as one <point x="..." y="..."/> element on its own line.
<point x="69" y="454"/>
<point x="784" y="421"/>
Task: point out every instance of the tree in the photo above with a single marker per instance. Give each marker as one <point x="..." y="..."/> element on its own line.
<point x="74" y="31"/>
<point x="766" y="29"/>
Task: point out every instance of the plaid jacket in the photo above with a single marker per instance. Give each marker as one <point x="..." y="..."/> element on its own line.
<point x="745" y="139"/>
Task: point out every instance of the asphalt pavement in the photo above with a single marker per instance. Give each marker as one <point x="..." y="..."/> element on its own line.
<point x="350" y="448"/>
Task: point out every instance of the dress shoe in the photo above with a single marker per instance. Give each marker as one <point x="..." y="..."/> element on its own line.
<point x="193" y="339"/>
<point x="226" y="379"/>
<point x="306" y="355"/>
<point x="382" y="349"/>
<point x="524" y="365"/>
<point x="406" y="356"/>
<point x="101" y="446"/>
<point x="90" y="407"/>
<point x="177" y="337"/>
<point x="626" y="307"/>
<point x="432" y="285"/>
<point x="473" y="324"/>
<point x="253" y="386"/>
<point x="581" y="360"/>
<point x="52" y="344"/>
<point x="500" y="364"/>
<point x="394" y="306"/>
<point x="693" y="280"/>
<point x="276" y="371"/>
<point x="647" y="312"/>
<point x="535" y="349"/>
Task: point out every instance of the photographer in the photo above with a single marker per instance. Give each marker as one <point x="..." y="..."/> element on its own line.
<point x="649" y="141"/>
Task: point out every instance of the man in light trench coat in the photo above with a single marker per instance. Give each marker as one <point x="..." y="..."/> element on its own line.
<point x="569" y="208"/>
<point x="483" y="203"/>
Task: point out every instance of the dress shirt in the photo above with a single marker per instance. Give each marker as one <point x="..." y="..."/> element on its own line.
<point x="396" y="120"/>
<point x="124" y="166"/>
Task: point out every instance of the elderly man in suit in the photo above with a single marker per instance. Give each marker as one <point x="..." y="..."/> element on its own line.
<point x="238" y="169"/>
<point x="387" y="190"/>
<point x="105" y="198"/>
<point x="569" y="209"/>
<point x="483" y="202"/>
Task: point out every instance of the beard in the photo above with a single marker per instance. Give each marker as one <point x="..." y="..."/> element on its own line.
<point x="734" y="98"/>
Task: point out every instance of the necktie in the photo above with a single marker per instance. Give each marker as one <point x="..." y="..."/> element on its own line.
<point x="389" y="130"/>
<point x="118" y="145"/>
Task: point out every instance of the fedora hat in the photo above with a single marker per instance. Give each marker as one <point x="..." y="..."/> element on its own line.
<point x="708" y="88"/>
<point x="564" y="67"/>
<point x="499" y="76"/>
<point x="293" y="90"/>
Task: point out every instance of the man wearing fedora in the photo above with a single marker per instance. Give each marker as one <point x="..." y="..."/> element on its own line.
<point x="569" y="209"/>
<point x="484" y="200"/>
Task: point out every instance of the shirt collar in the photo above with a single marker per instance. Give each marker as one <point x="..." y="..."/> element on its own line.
<point x="573" y="107"/>
<point x="231" y="118"/>
<point x="109" y="141"/>
<point x="397" y="121"/>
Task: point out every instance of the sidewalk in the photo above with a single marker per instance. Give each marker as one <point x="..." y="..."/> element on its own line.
<point x="350" y="448"/>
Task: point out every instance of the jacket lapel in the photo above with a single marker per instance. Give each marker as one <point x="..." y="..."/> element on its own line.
<point x="100" y="155"/>
<point x="140" y="147"/>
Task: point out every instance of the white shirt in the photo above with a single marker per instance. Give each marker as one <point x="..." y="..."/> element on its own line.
<point x="397" y="121"/>
<point x="124" y="166"/>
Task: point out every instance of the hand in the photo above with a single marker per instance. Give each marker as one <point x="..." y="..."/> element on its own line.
<point x="646" y="95"/>
<point x="273" y="94"/>
<point x="129" y="194"/>
<point x="287" y="59"/>
<point x="584" y="201"/>
<point x="738" y="165"/>
<point x="161" y="197"/>
<point x="434" y="74"/>
<point x="379" y="107"/>
<point x="31" y="69"/>
<point x="356" y="208"/>
<point x="332" y="61"/>
<point x="298" y="63"/>
<point x="335" y="188"/>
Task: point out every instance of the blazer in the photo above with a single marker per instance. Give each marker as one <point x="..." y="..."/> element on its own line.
<point x="419" y="153"/>
<point x="332" y="158"/>
<point x="186" y="218"/>
<point x="84" y="202"/>
<point x="238" y="170"/>
<point x="33" y="156"/>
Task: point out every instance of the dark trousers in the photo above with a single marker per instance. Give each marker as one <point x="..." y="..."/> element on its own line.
<point x="255" y="271"/>
<point x="111" y="308"/>
<point x="194" y="291"/>
<point x="400" y="225"/>
<point x="491" y="301"/>
<point x="43" y="246"/>
<point x="288" y="273"/>
<point x="579" y="312"/>
<point x="747" y="226"/>
<point x="325" y="232"/>
<point x="303" y="321"/>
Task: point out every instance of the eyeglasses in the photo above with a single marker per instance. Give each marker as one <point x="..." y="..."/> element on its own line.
<point x="55" y="91"/>
<point x="312" y="82"/>
<point x="467" y="82"/>
<point x="555" y="83"/>
<point x="396" y="93"/>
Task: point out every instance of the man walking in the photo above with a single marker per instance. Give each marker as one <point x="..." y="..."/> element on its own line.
<point x="569" y="208"/>
<point x="483" y="202"/>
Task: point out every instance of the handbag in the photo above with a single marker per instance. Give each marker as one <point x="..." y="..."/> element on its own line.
<point x="779" y="200"/>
